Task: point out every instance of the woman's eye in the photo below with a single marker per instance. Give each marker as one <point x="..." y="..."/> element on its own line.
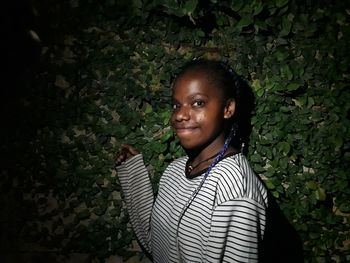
<point x="176" y="106"/>
<point x="198" y="103"/>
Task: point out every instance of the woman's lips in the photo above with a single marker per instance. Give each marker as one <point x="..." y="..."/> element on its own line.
<point x="184" y="130"/>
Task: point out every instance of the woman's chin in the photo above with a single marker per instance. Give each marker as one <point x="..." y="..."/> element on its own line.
<point x="191" y="147"/>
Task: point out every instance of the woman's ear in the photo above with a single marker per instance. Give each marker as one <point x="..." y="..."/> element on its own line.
<point x="229" y="109"/>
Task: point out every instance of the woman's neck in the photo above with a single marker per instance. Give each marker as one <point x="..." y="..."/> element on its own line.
<point x="208" y="150"/>
<point x="201" y="161"/>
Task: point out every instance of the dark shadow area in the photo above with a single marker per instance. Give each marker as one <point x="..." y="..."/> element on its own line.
<point x="281" y="242"/>
<point x="21" y="49"/>
<point x="21" y="52"/>
<point x="21" y="45"/>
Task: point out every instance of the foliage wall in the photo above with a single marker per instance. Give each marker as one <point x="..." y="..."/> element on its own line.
<point x="104" y="79"/>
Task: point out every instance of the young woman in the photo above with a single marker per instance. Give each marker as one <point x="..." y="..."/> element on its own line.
<point x="210" y="206"/>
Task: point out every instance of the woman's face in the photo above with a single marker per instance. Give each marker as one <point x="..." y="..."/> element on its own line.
<point x="199" y="112"/>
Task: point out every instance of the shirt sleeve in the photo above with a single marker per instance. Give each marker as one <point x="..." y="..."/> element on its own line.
<point x="236" y="230"/>
<point x="139" y="198"/>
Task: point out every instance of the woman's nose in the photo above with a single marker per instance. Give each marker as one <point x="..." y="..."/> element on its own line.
<point x="182" y="114"/>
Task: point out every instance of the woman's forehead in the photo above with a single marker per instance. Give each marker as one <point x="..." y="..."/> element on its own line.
<point x="191" y="84"/>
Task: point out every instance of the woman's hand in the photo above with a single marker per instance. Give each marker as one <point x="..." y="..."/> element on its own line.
<point x="127" y="151"/>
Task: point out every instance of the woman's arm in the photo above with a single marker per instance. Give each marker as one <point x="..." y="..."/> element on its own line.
<point x="138" y="195"/>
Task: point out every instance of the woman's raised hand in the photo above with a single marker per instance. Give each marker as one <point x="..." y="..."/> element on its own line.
<point x="127" y="151"/>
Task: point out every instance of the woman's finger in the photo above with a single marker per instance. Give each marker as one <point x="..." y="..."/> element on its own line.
<point x="130" y="149"/>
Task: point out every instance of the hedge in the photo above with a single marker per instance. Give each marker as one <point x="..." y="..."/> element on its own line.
<point x="104" y="78"/>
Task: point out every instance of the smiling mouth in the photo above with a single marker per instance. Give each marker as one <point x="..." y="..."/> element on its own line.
<point x="184" y="130"/>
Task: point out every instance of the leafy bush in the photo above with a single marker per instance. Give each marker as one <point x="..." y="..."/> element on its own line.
<point x="105" y="79"/>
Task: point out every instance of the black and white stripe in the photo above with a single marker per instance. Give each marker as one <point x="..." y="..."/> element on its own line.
<point x="224" y="223"/>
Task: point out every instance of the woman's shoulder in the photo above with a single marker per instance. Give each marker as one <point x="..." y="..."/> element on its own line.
<point x="234" y="165"/>
<point x="228" y="172"/>
<point x="176" y="166"/>
<point x="179" y="162"/>
<point x="235" y="178"/>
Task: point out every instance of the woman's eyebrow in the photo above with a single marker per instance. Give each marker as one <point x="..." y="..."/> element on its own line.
<point x="198" y="94"/>
<point x="173" y="100"/>
<point x="191" y="97"/>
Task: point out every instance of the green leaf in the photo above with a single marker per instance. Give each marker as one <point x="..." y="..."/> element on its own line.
<point x="276" y="194"/>
<point x="237" y="5"/>
<point x="258" y="89"/>
<point x="260" y="92"/>
<point x="256" y="85"/>
<point x="257" y="7"/>
<point x="270" y="185"/>
<point x="281" y="55"/>
<point x="286" y="27"/>
<point x="245" y="21"/>
<point x="280" y="3"/>
<point x="270" y="172"/>
<point x="166" y="137"/>
<point x="312" y="185"/>
<point x="345" y="207"/>
<point x="148" y="109"/>
<point x="255" y="158"/>
<point x="190" y="6"/>
<point x="283" y="163"/>
<point x="284" y="148"/>
<point x="310" y="102"/>
<point x="120" y="131"/>
<point x="338" y="142"/>
<point x="200" y="33"/>
<point x="222" y="20"/>
<point x="260" y="25"/>
<point x="286" y="72"/>
<point x="320" y="194"/>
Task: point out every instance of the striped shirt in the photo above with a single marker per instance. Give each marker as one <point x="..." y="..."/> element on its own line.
<point x="223" y="222"/>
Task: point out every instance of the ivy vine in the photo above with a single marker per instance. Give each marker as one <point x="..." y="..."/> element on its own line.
<point x="105" y="79"/>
